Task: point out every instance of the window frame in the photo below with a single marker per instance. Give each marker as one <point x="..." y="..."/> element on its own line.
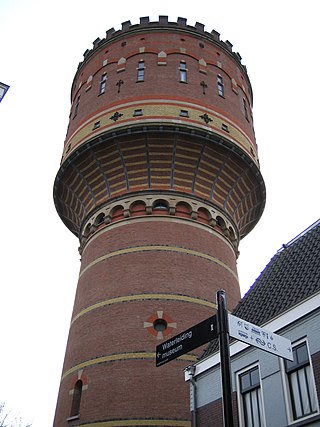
<point x="103" y="82"/>
<point x="138" y="112"/>
<point x="220" y="85"/>
<point x="183" y="75"/>
<point x="76" y="400"/>
<point x="76" y="107"/>
<point x="140" y="71"/>
<point x="287" y="387"/>
<point x="240" y="399"/>
<point x="245" y="109"/>
<point x="184" y="113"/>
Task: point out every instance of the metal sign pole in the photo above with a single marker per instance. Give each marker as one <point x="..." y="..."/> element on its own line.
<point x="223" y="331"/>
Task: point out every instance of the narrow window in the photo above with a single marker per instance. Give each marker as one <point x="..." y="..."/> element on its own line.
<point x="245" y="109"/>
<point x="76" y="399"/>
<point x="220" y="86"/>
<point x="183" y="72"/>
<point x="303" y="400"/>
<point x="251" y="399"/>
<point x="140" y="71"/>
<point x="76" y="107"/>
<point x="103" y="82"/>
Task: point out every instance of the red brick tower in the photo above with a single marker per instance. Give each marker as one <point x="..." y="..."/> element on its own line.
<point x="159" y="180"/>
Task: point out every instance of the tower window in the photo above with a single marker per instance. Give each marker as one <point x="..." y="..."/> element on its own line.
<point x="76" y="107"/>
<point x="183" y="72"/>
<point x="76" y="399"/>
<point x="245" y="109"/>
<point x="160" y="205"/>
<point x="160" y="325"/>
<point x="220" y="86"/>
<point x="140" y="71"/>
<point x="138" y="112"/>
<point x="184" y="113"/>
<point x="103" y="82"/>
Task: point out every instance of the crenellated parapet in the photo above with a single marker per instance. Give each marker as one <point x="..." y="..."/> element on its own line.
<point x="163" y="23"/>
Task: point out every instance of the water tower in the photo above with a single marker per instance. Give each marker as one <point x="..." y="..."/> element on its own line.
<point x="159" y="180"/>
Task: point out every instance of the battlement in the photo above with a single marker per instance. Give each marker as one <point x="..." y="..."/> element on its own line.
<point x="163" y="24"/>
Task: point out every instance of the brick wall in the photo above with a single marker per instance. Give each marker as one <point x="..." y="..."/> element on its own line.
<point x="212" y="414"/>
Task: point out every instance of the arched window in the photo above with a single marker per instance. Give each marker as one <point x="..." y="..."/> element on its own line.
<point x="100" y="218"/>
<point x="160" y="205"/>
<point x="76" y="399"/>
<point x="221" y="222"/>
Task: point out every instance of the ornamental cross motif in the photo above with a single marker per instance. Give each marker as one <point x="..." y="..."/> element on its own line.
<point x="119" y="83"/>
<point x="116" y="116"/>
<point x="204" y="87"/>
<point x="206" y="118"/>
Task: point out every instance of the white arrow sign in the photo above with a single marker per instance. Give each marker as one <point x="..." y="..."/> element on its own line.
<point x="259" y="337"/>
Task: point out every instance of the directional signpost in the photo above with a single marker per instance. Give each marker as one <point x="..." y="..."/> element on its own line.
<point x="186" y="341"/>
<point x="260" y="337"/>
<point x="222" y="325"/>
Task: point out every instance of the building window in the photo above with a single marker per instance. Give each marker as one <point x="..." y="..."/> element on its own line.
<point x="302" y="393"/>
<point x="138" y="112"/>
<point x="76" y="107"/>
<point x="183" y="72"/>
<point x="140" y="71"/>
<point x="245" y="109"/>
<point x="76" y="399"/>
<point x="220" y="86"/>
<point x="251" y="408"/>
<point x="184" y="113"/>
<point x="103" y="82"/>
<point x="160" y="205"/>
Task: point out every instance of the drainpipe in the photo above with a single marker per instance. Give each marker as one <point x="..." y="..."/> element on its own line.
<point x="193" y="393"/>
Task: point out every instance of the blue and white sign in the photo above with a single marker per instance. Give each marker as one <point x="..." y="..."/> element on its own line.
<point x="259" y="337"/>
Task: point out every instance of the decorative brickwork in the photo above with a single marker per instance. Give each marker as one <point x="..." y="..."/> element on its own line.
<point x="159" y="180"/>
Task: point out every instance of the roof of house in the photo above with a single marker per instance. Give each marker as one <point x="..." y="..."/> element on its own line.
<point x="292" y="275"/>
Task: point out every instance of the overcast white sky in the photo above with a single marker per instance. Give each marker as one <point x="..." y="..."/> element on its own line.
<point x="41" y="44"/>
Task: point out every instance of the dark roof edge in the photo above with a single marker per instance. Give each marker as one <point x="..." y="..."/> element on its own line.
<point x="286" y="245"/>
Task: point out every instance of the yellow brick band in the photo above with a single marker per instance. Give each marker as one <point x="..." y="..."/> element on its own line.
<point x="158" y="248"/>
<point x="159" y="110"/>
<point x="121" y="356"/>
<point x="140" y="297"/>
<point x="141" y="422"/>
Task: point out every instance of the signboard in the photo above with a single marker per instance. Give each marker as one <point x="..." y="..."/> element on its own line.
<point x="186" y="341"/>
<point x="259" y="337"/>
